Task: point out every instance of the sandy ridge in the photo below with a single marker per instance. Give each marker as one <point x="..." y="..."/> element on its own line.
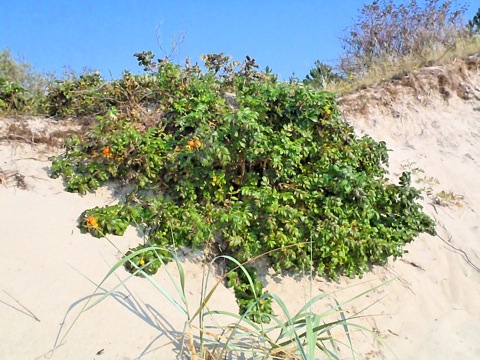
<point x="431" y="312"/>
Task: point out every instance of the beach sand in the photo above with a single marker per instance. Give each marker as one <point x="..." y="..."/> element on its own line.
<point x="429" y="310"/>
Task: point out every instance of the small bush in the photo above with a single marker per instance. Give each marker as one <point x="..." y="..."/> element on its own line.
<point x="322" y="75"/>
<point x="278" y="168"/>
<point x="389" y="31"/>
<point x="247" y="165"/>
<point x="248" y="292"/>
<point x="89" y="94"/>
<point x="12" y="95"/>
<point x="21" y="89"/>
<point x="473" y="25"/>
<point x="78" y="96"/>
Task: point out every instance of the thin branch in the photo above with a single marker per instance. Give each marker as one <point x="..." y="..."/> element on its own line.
<point x="463" y="253"/>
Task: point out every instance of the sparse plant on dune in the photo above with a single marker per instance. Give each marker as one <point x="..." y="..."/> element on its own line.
<point x="430" y="187"/>
<point x="306" y="334"/>
<point x="446" y="198"/>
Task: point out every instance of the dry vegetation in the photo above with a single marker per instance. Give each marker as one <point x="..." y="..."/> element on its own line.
<point x="20" y="130"/>
<point x="12" y="178"/>
<point x="417" y="87"/>
<point x="385" y="69"/>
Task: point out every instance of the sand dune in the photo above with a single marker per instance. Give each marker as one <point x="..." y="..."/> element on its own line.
<point x="431" y="311"/>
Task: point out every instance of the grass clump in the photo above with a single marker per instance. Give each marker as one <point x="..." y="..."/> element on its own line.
<point x="211" y="333"/>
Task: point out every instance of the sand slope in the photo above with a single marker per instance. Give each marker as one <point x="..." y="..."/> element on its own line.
<point x="432" y="311"/>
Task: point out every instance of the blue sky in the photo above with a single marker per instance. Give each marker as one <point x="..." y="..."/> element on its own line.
<point x="287" y="35"/>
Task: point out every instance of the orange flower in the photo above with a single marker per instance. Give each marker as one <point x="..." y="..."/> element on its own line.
<point x="107" y="152"/>
<point x="92" y="222"/>
<point x="194" y="143"/>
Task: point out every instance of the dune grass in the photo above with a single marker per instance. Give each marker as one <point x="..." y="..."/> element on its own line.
<point x="387" y="67"/>
<point x="212" y="333"/>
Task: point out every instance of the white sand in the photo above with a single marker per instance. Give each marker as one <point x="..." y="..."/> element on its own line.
<point x="432" y="311"/>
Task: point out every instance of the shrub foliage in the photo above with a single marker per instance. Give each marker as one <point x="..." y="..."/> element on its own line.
<point x="322" y="75"/>
<point x="243" y="164"/>
<point x="473" y="25"/>
<point x="21" y="88"/>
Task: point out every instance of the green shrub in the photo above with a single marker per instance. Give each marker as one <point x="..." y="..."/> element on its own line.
<point x="249" y="165"/>
<point x="90" y="95"/>
<point x="146" y="260"/>
<point x="249" y="292"/>
<point x="322" y="75"/>
<point x="78" y="95"/>
<point x="473" y="25"/>
<point x="112" y="219"/>
<point x="12" y="95"/>
<point x="21" y="89"/>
